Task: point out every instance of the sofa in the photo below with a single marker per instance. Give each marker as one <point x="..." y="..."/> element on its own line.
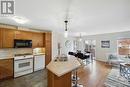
<point x="114" y="59"/>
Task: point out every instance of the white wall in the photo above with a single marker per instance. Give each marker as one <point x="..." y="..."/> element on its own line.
<point x="113" y="37"/>
<point x="59" y="38"/>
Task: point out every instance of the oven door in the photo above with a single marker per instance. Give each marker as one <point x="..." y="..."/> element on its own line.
<point x="23" y="65"/>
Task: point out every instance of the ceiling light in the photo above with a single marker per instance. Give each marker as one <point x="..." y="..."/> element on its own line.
<point x="66" y="19"/>
<point x="80" y="37"/>
<point x="20" y="20"/>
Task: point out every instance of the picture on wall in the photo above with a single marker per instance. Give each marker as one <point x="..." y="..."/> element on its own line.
<point x="105" y="44"/>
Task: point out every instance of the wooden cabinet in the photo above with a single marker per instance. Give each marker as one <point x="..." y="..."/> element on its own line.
<point x="38" y="40"/>
<point x="48" y="47"/>
<point x="24" y="35"/>
<point x="6" y="68"/>
<point x="0" y="38"/>
<point x="7" y="38"/>
<point x="62" y="81"/>
<point x="27" y="35"/>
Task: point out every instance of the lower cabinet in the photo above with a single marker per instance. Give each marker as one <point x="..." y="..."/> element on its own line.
<point x="6" y="68"/>
<point x="39" y="62"/>
<point x="1" y="38"/>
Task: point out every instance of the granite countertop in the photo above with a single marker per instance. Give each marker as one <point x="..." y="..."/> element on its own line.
<point x="7" y="57"/>
<point x="12" y="57"/>
<point x="60" y="68"/>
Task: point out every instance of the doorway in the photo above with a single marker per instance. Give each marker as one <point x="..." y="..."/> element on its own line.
<point x="90" y="46"/>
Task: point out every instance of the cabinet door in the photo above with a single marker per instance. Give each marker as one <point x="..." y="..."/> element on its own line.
<point x="25" y="35"/>
<point x="6" y="68"/>
<point x="0" y="38"/>
<point x="48" y="47"/>
<point x="8" y="38"/>
<point x="38" y="40"/>
<point x="17" y="34"/>
<point x="34" y="40"/>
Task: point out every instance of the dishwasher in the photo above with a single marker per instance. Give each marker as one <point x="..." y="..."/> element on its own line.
<point x="39" y="62"/>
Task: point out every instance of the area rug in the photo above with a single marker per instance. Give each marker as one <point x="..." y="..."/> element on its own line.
<point x="114" y="79"/>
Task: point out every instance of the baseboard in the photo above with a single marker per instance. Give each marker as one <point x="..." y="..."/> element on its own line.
<point x="101" y="60"/>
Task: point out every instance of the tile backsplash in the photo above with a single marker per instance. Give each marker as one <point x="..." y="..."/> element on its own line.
<point x="10" y="52"/>
<point x="38" y="50"/>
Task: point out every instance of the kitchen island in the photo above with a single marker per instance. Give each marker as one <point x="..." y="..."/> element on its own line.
<point x="59" y="72"/>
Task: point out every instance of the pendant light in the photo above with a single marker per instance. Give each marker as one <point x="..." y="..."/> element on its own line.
<point x="80" y="38"/>
<point x="67" y="18"/>
<point x="66" y="29"/>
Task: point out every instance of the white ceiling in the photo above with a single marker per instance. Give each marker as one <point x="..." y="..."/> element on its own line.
<point x="85" y="16"/>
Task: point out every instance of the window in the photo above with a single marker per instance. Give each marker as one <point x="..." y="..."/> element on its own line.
<point x="124" y="46"/>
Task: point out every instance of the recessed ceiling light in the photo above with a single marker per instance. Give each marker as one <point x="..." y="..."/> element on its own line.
<point x="20" y="20"/>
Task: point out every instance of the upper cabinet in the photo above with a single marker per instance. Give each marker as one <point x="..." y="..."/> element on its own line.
<point x="24" y="35"/>
<point x="7" y="38"/>
<point x="38" y="40"/>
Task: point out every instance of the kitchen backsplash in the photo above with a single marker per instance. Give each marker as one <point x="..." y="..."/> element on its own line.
<point x="11" y="52"/>
<point x="38" y="50"/>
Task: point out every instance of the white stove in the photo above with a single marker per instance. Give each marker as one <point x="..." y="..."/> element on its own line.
<point x="23" y="64"/>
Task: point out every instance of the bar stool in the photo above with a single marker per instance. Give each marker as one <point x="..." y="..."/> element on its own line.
<point x="75" y="83"/>
<point x="75" y="77"/>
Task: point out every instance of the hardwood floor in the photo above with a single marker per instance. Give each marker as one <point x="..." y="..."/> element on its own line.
<point x="94" y="74"/>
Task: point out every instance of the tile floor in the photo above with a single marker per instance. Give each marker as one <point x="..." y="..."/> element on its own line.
<point x="36" y="79"/>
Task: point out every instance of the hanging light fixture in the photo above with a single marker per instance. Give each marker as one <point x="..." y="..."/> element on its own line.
<point x="66" y="29"/>
<point x="80" y="37"/>
<point x="67" y="18"/>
